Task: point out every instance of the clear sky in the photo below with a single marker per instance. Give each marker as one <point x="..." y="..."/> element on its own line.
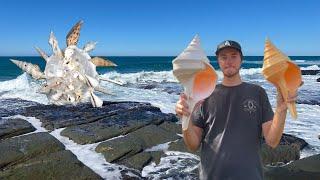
<point x="161" y="27"/>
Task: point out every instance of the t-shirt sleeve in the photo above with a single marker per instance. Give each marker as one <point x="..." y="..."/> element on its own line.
<point x="267" y="112"/>
<point x="197" y="117"/>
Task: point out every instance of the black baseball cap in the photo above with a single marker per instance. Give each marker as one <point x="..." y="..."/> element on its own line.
<point x="228" y="44"/>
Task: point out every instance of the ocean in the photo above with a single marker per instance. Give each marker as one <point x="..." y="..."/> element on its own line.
<point x="150" y="79"/>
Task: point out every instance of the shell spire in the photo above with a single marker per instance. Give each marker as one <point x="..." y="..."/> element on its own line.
<point x="91" y="82"/>
<point x="95" y="100"/>
<point x="55" y="47"/>
<point x="89" y="46"/>
<point x="272" y="55"/>
<point x="110" y="80"/>
<point x="29" y="68"/>
<point x="74" y="34"/>
<point x="42" y="54"/>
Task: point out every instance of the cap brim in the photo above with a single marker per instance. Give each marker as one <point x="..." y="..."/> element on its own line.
<point x="217" y="52"/>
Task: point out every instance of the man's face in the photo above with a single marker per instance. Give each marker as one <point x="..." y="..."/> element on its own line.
<point x="229" y="60"/>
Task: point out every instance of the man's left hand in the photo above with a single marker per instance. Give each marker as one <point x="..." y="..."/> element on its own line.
<point x="282" y="103"/>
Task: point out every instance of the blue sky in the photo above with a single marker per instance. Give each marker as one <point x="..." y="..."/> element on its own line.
<point x="161" y="27"/>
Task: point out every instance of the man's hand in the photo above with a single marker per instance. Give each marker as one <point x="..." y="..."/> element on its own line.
<point x="192" y="136"/>
<point x="182" y="108"/>
<point x="282" y="103"/>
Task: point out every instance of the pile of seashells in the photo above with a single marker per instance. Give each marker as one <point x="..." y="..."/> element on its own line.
<point x="70" y="76"/>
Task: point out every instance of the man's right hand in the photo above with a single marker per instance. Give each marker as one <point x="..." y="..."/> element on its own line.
<point x="192" y="136"/>
<point x="182" y="108"/>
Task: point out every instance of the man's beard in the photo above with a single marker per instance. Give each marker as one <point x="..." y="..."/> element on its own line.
<point x="232" y="74"/>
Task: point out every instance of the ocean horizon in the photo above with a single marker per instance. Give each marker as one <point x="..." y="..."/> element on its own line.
<point x="131" y="64"/>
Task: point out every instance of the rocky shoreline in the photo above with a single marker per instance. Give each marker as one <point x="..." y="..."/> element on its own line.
<point x="310" y="72"/>
<point x="132" y="134"/>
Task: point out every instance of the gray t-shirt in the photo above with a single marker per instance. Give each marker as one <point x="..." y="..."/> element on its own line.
<point x="231" y="119"/>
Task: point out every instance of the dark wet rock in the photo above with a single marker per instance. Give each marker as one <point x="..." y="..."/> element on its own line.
<point x="118" y="124"/>
<point x="287" y="150"/>
<point x="5" y="113"/>
<point x="318" y="80"/>
<point x="40" y="156"/>
<point x="310" y="72"/>
<point x="140" y="160"/>
<point x="124" y="147"/>
<point x="120" y="148"/>
<point x="172" y="88"/>
<point x="57" y="165"/>
<point x="14" y="106"/>
<point x="306" y="168"/>
<point x="307" y="96"/>
<point x="168" y="87"/>
<point x="53" y="117"/>
<point x="130" y="149"/>
<point x="310" y="102"/>
<point x="179" y="145"/>
<point x="137" y="161"/>
<point x="288" y="139"/>
<point x="153" y="135"/>
<point x="156" y="156"/>
<point x="311" y="164"/>
<point x="147" y="86"/>
<point x="20" y="148"/>
<point x="14" y="127"/>
<point x="172" y="127"/>
<point x="282" y="153"/>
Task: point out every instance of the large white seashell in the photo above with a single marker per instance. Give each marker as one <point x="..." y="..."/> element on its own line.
<point x="194" y="71"/>
<point x="70" y="75"/>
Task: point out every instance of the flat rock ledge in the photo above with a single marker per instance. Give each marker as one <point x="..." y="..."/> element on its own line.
<point x="133" y="134"/>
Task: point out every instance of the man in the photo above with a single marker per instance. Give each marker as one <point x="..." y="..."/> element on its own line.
<point x="229" y="124"/>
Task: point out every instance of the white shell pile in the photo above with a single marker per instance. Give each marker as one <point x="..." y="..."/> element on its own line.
<point x="70" y="76"/>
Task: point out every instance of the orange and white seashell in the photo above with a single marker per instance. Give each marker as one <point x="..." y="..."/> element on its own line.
<point x="282" y="72"/>
<point x="194" y="71"/>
